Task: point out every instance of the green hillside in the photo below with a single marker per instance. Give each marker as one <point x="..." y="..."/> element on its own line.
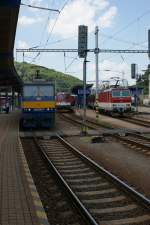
<point x="64" y="82"/>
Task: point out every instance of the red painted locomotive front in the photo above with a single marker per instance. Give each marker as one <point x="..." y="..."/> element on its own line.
<point x="117" y="100"/>
<point x="65" y="101"/>
<point x="107" y="96"/>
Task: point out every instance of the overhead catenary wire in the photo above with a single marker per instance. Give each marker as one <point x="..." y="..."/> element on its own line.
<point x="42" y="34"/>
<point x="40" y="8"/>
<point x="129" y="24"/>
<point x="53" y="27"/>
<point x="114" y="55"/>
<point x="59" y="41"/>
<point x="44" y="29"/>
<point x="123" y="41"/>
<point x="74" y="59"/>
<point x="56" y="22"/>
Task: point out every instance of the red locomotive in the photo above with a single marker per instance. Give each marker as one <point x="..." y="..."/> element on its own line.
<point x="65" y="101"/>
<point x="112" y="100"/>
<point x="115" y="100"/>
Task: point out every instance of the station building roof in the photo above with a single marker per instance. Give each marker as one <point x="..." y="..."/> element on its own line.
<point x="9" y="10"/>
<point x="133" y="90"/>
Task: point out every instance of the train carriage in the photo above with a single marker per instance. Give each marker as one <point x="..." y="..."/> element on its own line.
<point x="65" y="101"/>
<point x="38" y="105"/>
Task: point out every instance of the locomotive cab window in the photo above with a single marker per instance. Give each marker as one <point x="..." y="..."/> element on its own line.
<point x="38" y="91"/>
<point x="121" y="93"/>
<point x="125" y="93"/>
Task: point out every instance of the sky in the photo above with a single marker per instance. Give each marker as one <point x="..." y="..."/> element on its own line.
<point x="123" y="24"/>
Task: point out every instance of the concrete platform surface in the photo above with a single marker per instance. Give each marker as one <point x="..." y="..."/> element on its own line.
<point x="19" y="201"/>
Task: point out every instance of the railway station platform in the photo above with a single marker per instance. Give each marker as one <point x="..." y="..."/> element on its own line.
<point x="19" y="200"/>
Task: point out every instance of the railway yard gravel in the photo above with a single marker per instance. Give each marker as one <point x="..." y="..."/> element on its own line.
<point x="118" y="123"/>
<point x="129" y="165"/>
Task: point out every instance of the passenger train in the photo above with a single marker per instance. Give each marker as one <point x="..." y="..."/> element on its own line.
<point x="38" y="105"/>
<point x="65" y="101"/>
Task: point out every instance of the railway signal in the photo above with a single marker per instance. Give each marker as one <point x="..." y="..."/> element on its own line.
<point x="82" y="41"/>
<point x="134" y="75"/>
<point x="133" y="70"/>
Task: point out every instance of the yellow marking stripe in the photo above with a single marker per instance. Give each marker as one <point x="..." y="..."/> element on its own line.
<point x="38" y="203"/>
<point x="34" y="194"/>
<point x="36" y="199"/>
<point x="38" y="105"/>
<point x="41" y="214"/>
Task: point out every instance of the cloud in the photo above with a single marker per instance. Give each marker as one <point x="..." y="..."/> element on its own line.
<point x="107" y="18"/>
<point x="22" y="44"/>
<point x="87" y="12"/>
<point x="35" y="3"/>
<point x="28" y="21"/>
<point x="114" y="69"/>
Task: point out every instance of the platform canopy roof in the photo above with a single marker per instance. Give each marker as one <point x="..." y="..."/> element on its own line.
<point x="9" y="10"/>
<point x="75" y="89"/>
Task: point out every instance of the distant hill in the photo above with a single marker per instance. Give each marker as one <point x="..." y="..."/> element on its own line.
<point x="64" y="82"/>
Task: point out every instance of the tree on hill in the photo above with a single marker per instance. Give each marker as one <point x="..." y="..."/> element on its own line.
<point x="63" y="81"/>
<point x="143" y="81"/>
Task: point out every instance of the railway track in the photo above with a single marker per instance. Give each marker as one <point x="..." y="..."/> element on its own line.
<point x="137" y="142"/>
<point x="137" y="121"/>
<point x="53" y="196"/>
<point x="98" y="195"/>
<point x="133" y="140"/>
<point x="91" y="124"/>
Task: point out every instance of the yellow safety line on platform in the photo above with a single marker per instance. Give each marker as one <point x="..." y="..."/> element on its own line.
<point x="40" y="212"/>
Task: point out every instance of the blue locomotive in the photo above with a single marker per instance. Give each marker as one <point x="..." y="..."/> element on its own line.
<point x="38" y="105"/>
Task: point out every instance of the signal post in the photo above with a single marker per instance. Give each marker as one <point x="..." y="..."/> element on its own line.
<point x="97" y="68"/>
<point x="82" y="52"/>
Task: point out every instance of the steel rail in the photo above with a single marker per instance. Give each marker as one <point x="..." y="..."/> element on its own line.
<point x="77" y="203"/>
<point x="132" y="142"/>
<point x="137" y="121"/>
<point x="134" y="194"/>
<point x="90" y="124"/>
<point x="139" y="136"/>
<point x="77" y="121"/>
